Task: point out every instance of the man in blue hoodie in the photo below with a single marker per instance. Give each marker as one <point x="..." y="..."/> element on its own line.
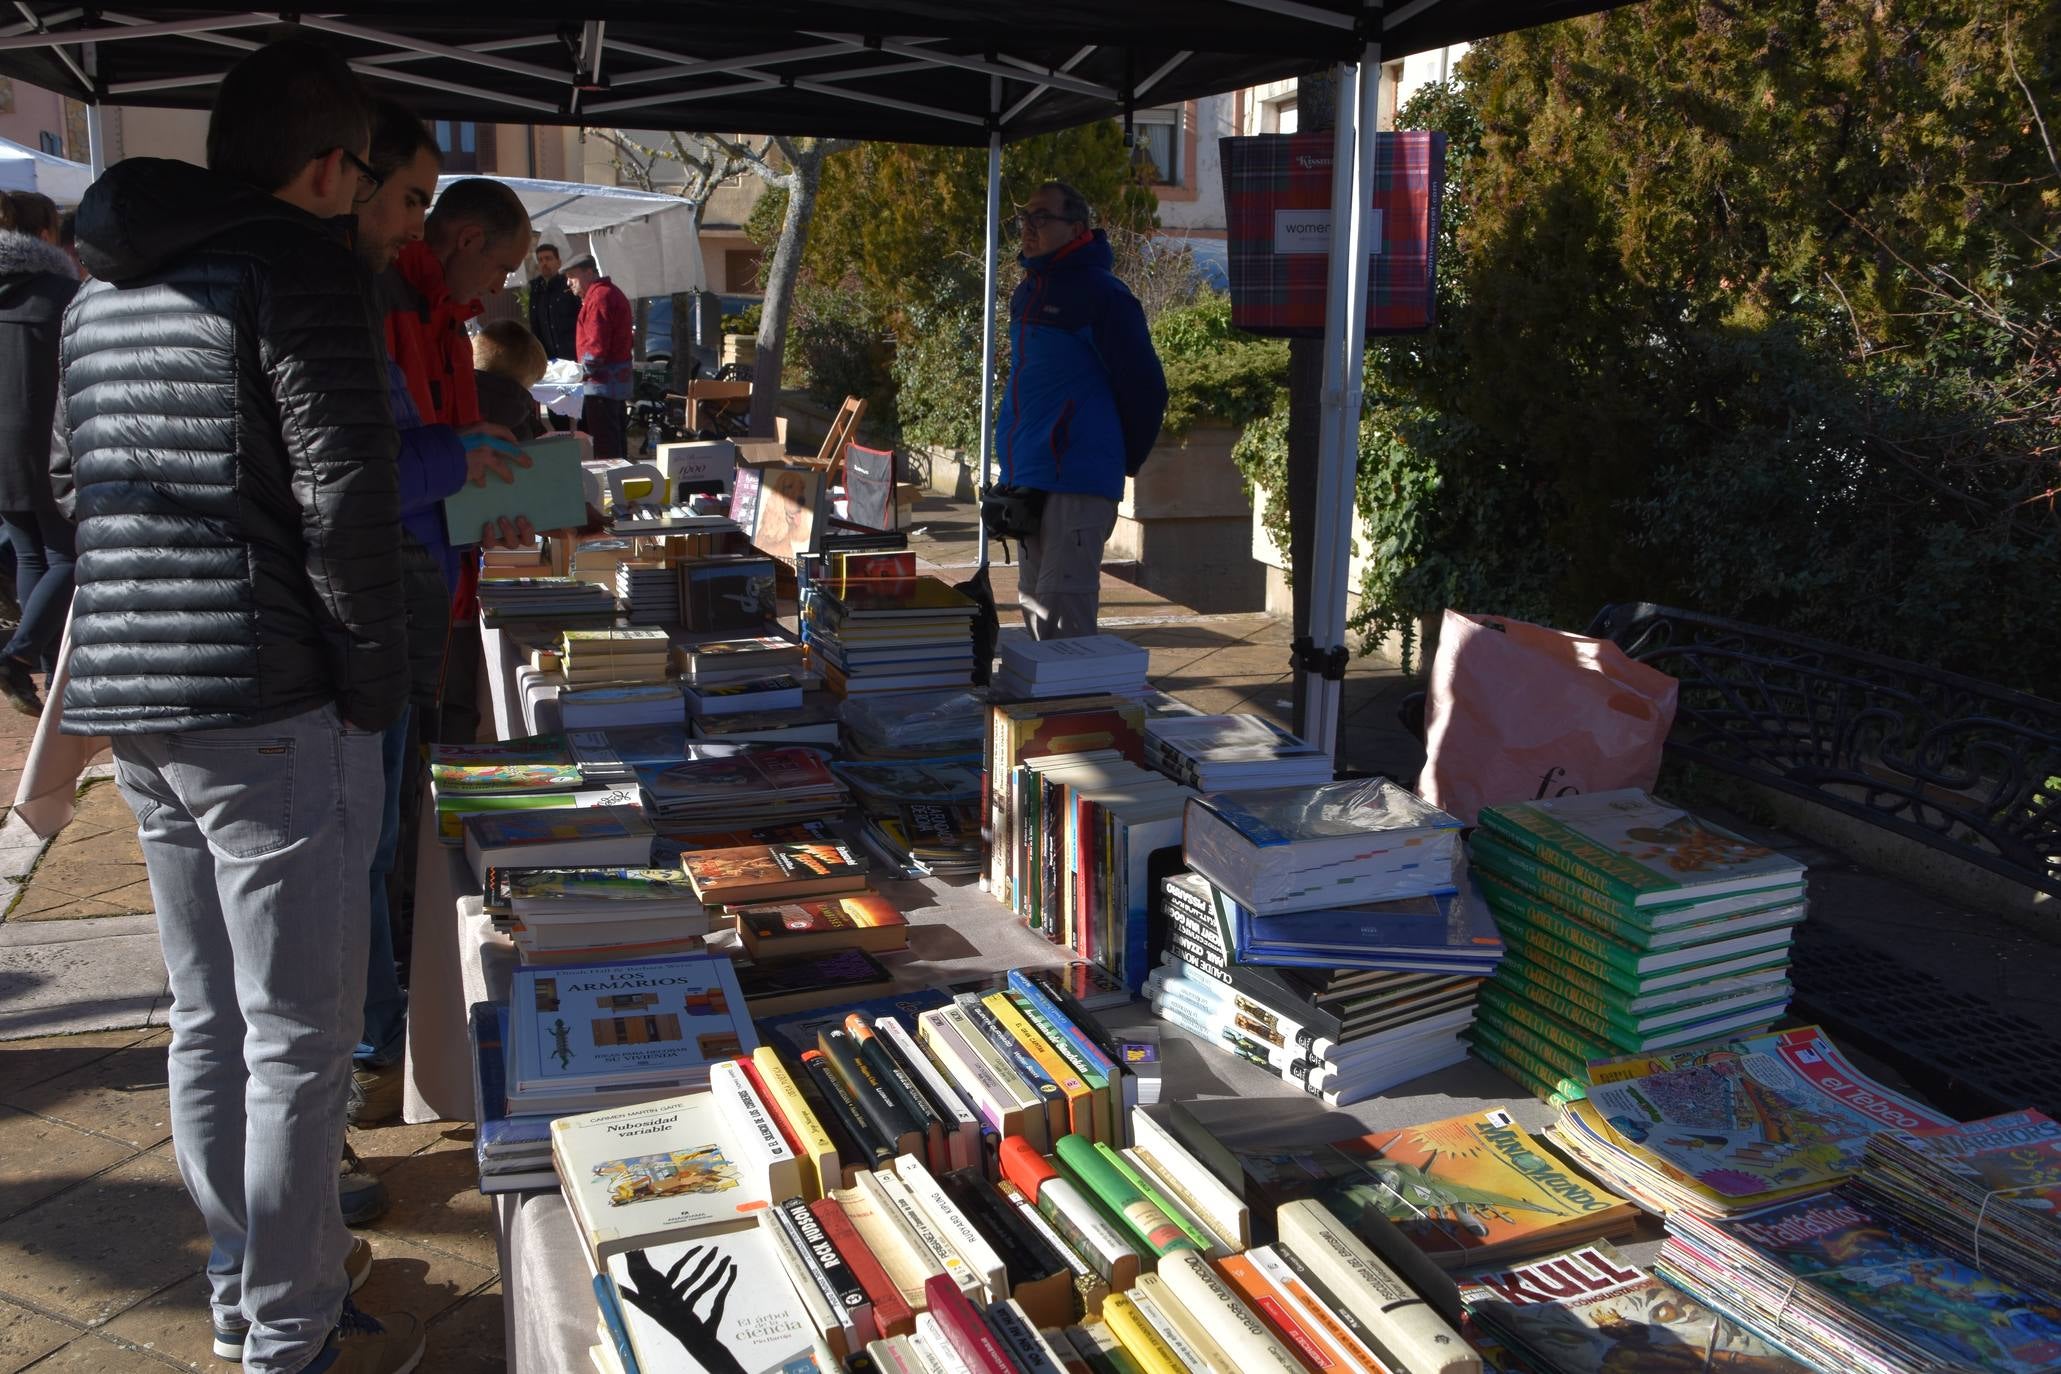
<point x="1082" y="410"/>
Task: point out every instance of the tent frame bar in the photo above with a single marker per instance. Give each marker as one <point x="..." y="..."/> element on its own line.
<point x="989" y="270"/>
<point x="1020" y="106"/>
<point x="1289" y="9"/>
<point x="171" y="28"/>
<point x="429" y="49"/>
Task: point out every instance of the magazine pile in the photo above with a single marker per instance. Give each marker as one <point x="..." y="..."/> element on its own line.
<point x="1631" y="926"/>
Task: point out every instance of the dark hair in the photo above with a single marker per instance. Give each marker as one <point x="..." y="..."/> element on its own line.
<point x="31" y="213"/>
<point x="1072" y="204"/>
<point x="68" y="229"/>
<point x="281" y="108"/>
<point x="550" y="248"/>
<point x="397" y="136"/>
<point x="489" y="204"/>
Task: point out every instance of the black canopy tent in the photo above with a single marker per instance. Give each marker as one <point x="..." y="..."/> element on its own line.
<point x="957" y="72"/>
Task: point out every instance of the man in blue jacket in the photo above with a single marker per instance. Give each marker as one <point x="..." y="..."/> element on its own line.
<point x="1082" y="410"/>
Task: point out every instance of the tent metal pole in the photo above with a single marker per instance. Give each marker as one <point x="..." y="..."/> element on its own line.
<point x="96" y="130"/>
<point x="1359" y="95"/>
<point x="987" y="311"/>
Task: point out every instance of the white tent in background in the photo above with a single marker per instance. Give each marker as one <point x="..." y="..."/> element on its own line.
<point x="644" y="240"/>
<point x="25" y="169"/>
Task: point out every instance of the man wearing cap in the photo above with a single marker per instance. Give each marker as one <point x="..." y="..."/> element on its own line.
<point x="603" y="341"/>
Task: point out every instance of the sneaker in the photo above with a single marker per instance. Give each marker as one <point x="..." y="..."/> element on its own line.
<point x="367" y="1345"/>
<point x="19" y="687"/>
<point x="357" y="1267"/>
<point x="358" y="1190"/>
<point x="375" y="1095"/>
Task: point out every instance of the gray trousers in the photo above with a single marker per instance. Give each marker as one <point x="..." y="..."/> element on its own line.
<point x="258" y="840"/>
<point x="1059" y="569"/>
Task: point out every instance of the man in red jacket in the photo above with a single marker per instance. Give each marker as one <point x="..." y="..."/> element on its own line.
<point x="603" y="338"/>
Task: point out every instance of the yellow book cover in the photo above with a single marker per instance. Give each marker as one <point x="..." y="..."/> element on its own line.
<point x="1139" y="1340"/>
<point x="821" y="1168"/>
<point x="1081" y="1104"/>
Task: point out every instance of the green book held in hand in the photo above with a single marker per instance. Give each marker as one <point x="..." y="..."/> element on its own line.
<point x="548" y="491"/>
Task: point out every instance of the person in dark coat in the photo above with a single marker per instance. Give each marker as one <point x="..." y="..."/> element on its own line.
<point x="554" y="309"/>
<point x="37" y="281"/>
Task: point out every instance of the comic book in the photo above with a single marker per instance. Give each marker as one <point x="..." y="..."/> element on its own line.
<point x="1848" y="1287"/>
<point x="1468" y="1190"/>
<point x="1591" y="1311"/>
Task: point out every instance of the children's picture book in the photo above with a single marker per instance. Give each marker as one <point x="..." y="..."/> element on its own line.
<point x="649" y="1020"/>
<point x="549" y="492"/>
<point x="1637" y="848"/>
<point x="744" y="496"/>
<point x="1589" y="1310"/>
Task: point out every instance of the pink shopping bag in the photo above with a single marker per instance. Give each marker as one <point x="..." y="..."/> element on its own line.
<point x="1519" y="711"/>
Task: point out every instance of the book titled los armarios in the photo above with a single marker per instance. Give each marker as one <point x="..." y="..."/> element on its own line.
<point x="774" y="872"/>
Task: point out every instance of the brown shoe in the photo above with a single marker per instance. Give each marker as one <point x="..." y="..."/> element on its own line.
<point x="375" y="1095"/>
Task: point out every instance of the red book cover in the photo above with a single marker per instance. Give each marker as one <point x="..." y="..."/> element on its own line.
<point x="964" y="1327"/>
<point x="771" y="1104"/>
<point x="891" y="1312"/>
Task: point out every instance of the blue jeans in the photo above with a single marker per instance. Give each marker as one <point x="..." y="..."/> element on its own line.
<point x="43" y="573"/>
<point x="257" y="841"/>
<point x="386" y="1004"/>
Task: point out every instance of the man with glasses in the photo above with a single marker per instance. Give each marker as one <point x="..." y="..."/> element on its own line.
<point x="239" y="631"/>
<point x="1082" y="409"/>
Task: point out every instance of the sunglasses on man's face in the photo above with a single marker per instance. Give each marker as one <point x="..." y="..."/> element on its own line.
<point x="1034" y="220"/>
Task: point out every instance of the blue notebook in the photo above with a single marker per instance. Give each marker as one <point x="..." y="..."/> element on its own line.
<point x="549" y="491"/>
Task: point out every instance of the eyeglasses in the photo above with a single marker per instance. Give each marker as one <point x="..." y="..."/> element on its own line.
<point x="369" y="181"/>
<point x="1032" y="220"/>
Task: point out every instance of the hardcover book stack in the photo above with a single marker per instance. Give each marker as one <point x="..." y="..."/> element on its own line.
<point x="1340" y="879"/>
<point x="1342" y="1035"/>
<point x="561" y="600"/>
<point x="1631" y="926"/>
<point x="611" y="836"/>
<point x="583" y="1037"/>
<point x="649" y="703"/>
<point x="620" y="654"/>
<point x="745" y="659"/>
<point x="922" y="816"/>
<point x="580" y="915"/>
<point x="649" y="591"/>
<point x="890" y="635"/>
<point x="1720" y="1131"/>
<point x="754" y="874"/>
<point x="513" y="1150"/>
<point x="612" y="755"/>
<point x="1231" y="753"/>
<point x="1033" y="669"/>
<point x="755" y="786"/>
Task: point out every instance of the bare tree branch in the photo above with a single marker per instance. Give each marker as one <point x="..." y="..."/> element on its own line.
<point x="2039" y="121"/>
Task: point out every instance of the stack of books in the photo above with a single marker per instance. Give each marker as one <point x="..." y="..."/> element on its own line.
<point x="651" y="703"/>
<point x="742" y="695"/>
<point x="1715" y="1130"/>
<point x="754" y="874"/>
<point x="1842" y="1285"/>
<point x="748" y="659"/>
<point x="561" y="600"/>
<point x="1987" y="1192"/>
<point x="787" y="930"/>
<point x="512" y="1149"/>
<point x="611" y="836"/>
<point x="583" y="1037"/>
<point x="1343" y="1035"/>
<point x="914" y="725"/>
<point x="534" y="774"/>
<point x="811" y="722"/>
<point x="922" y="816"/>
<point x="596" y="560"/>
<point x="757" y="785"/>
<point x="579" y="915"/>
<point x="592" y="658"/>
<point x="728" y="595"/>
<point x="1033" y="669"/>
<point x="611" y="755"/>
<point x="890" y="635"/>
<point x="1589" y="1308"/>
<point x="1230" y="753"/>
<point x="1631" y="925"/>
<point x="649" y="592"/>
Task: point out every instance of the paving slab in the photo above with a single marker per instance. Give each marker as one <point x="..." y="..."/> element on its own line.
<point x="26" y="1062"/>
<point x="26" y="1337"/>
<point x="98" y="1354"/>
<point x="468" y="1338"/>
<point x="50" y="989"/>
<point x="123" y="1096"/>
<point x="93" y="867"/>
<point x="92" y="1253"/>
<point x="40" y="1158"/>
<point x="437" y="1204"/>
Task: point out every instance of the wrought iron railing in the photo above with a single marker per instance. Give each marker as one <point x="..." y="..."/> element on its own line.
<point x="1967" y="767"/>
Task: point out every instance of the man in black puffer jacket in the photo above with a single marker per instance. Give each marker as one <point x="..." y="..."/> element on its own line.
<point x="239" y="629"/>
